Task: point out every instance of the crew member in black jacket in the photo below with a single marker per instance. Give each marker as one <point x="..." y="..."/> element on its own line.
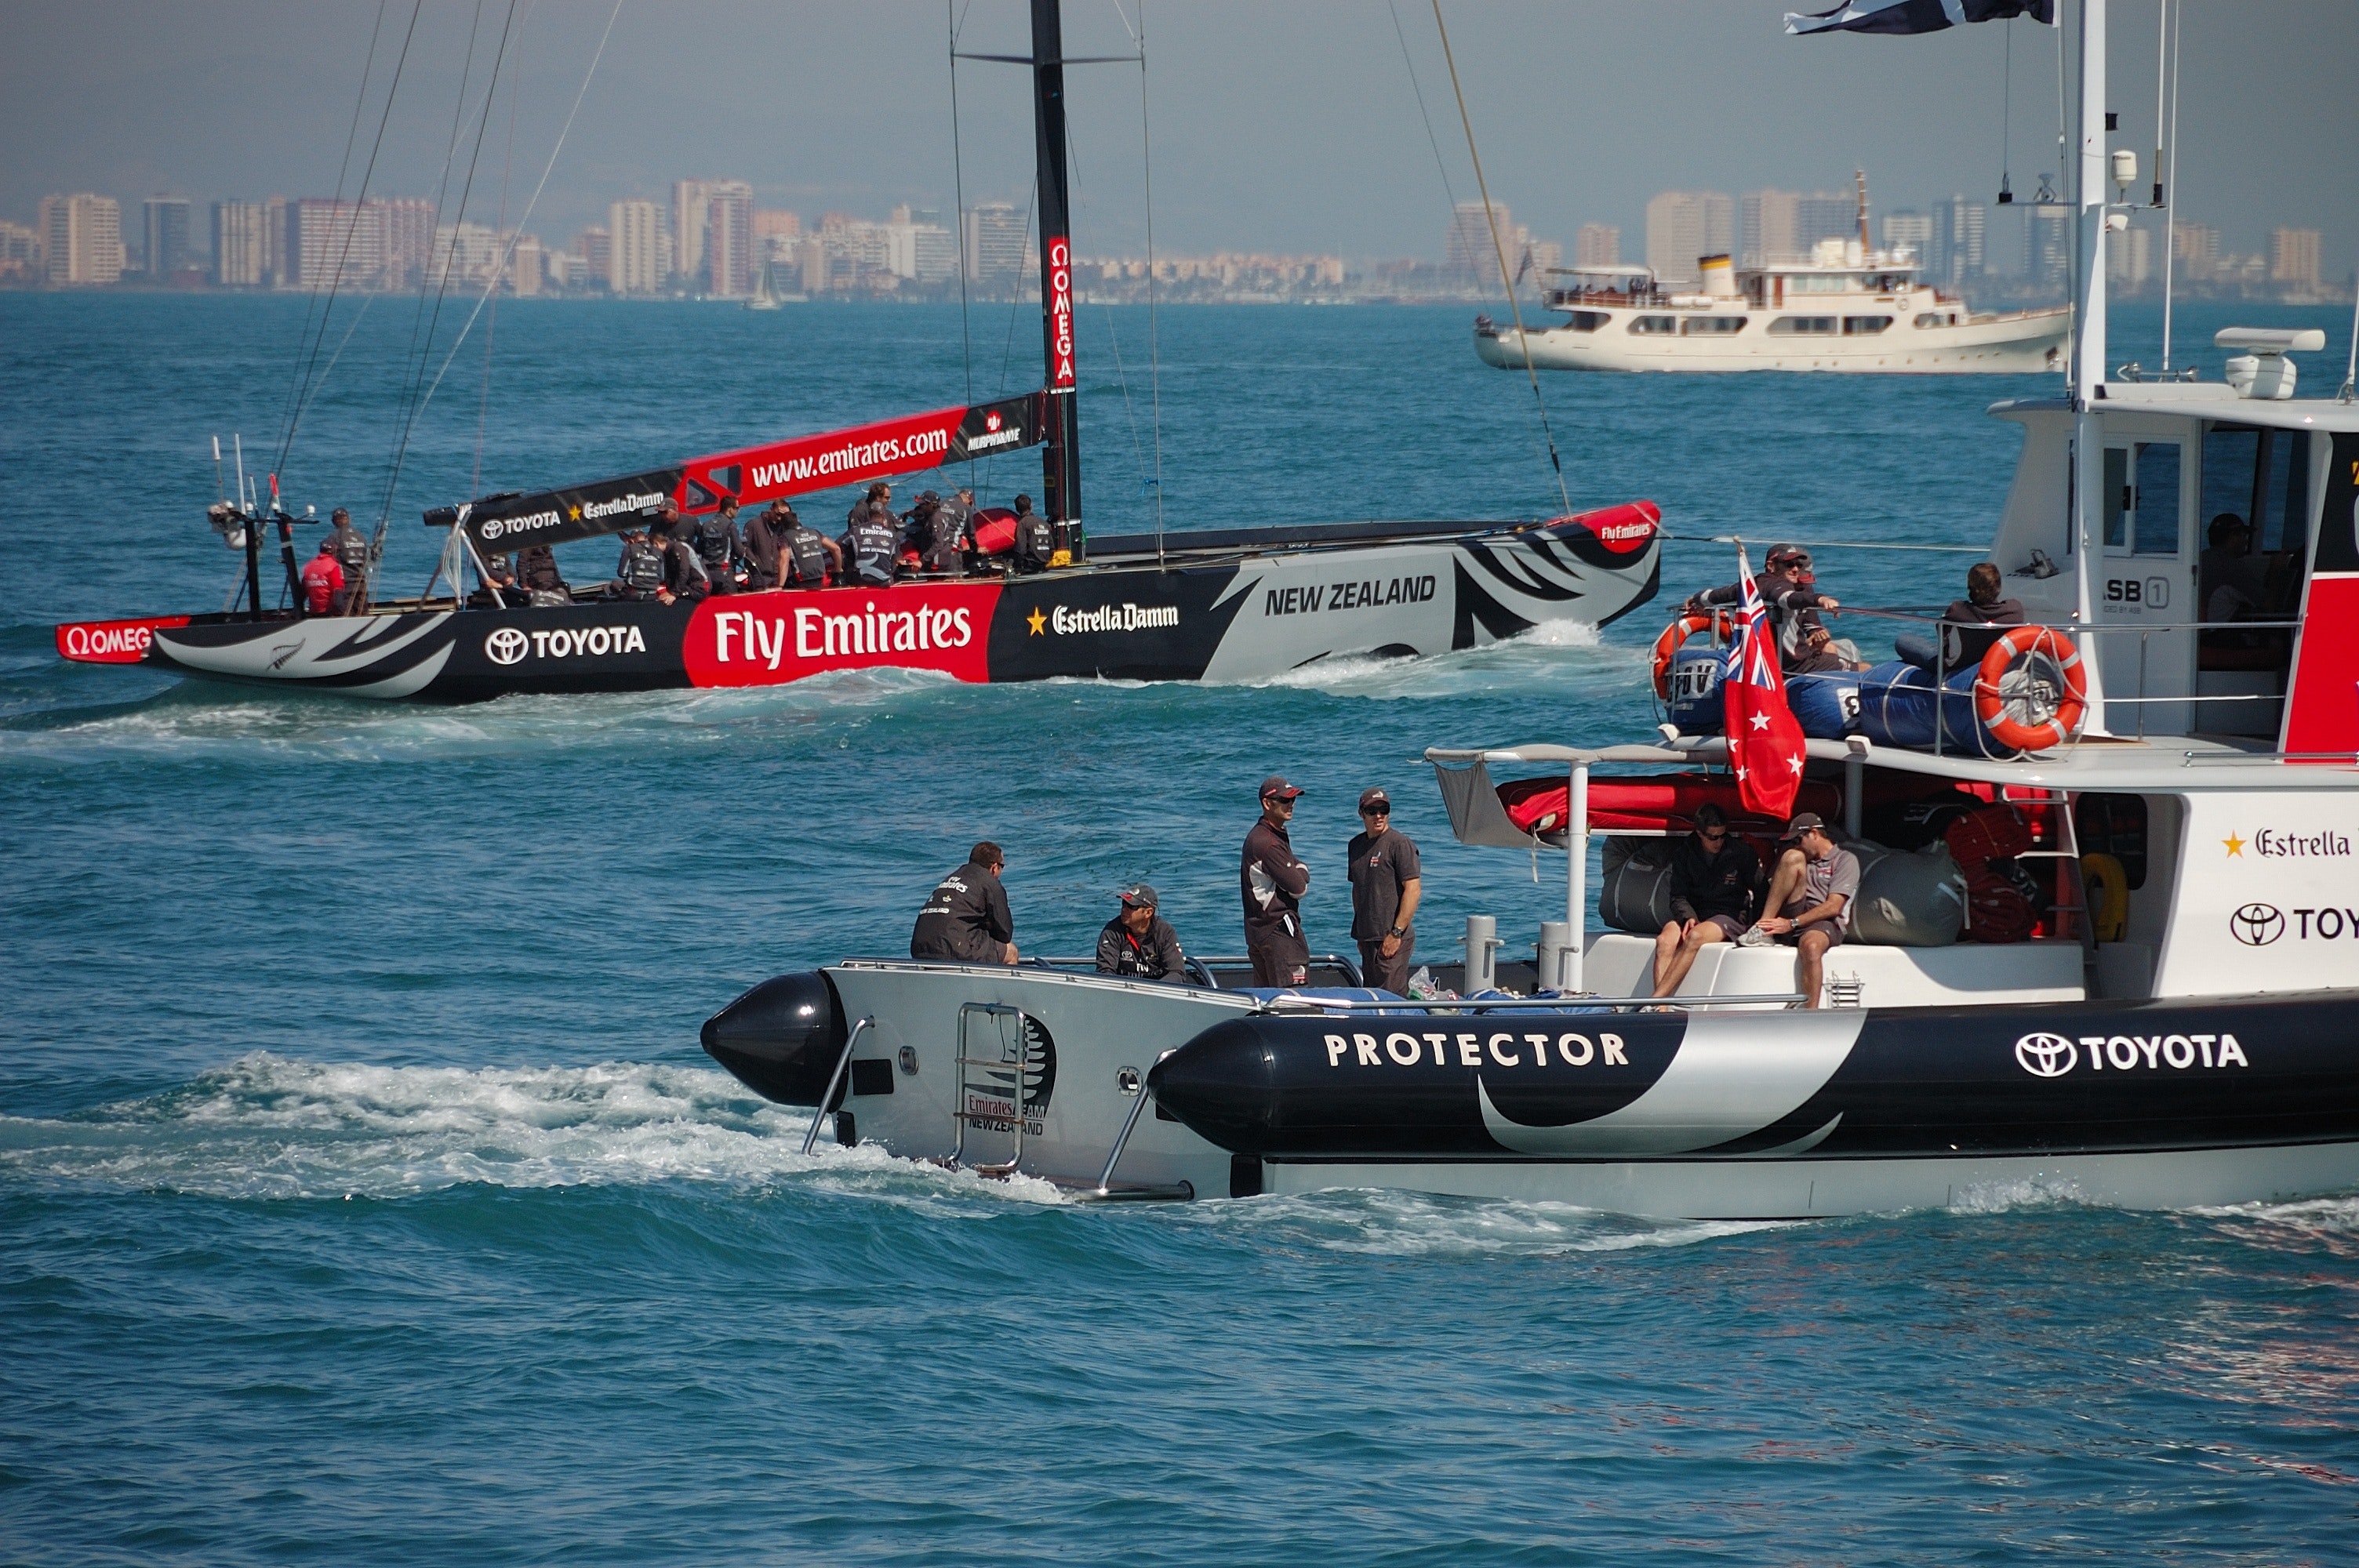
<point x="1715" y="889"/>
<point x="1273" y="883"/>
<point x="1140" y="942"/>
<point x="967" y="918"/>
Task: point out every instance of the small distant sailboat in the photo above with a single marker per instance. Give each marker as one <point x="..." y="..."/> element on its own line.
<point x="764" y="296"/>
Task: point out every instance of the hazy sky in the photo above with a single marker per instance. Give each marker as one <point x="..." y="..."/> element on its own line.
<point x="1276" y="126"/>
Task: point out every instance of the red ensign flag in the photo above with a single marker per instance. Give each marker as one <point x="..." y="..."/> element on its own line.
<point x="1764" y="740"/>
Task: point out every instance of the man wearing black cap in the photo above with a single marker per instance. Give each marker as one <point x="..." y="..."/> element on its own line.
<point x="1273" y="883"/>
<point x="352" y="551"/>
<point x="968" y="918"/>
<point x="1809" y="901"/>
<point x="1386" y="886"/>
<point x="1788" y="586"/>
<point x="1140" y="942"/>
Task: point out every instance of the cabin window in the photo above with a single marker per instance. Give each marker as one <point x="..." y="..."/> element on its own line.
<point x="2113" y="825"/>
<point x="1662" y="324"/>
<point x="1587" y="321"/>
<point x="1821" y="283"/>
<point x="2263" y="476"/>
<point x="1936" y="319"/>
<point x="1802" y="327"/>
<point x="1864" y="326"/>
<point x="1712" y="326"/>
<point x="2141" y="498"/>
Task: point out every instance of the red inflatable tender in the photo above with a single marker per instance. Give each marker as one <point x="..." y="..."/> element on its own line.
<point x="1666" y="802"/>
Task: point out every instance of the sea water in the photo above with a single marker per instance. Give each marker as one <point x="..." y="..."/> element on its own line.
<point x="365" y="1198"/>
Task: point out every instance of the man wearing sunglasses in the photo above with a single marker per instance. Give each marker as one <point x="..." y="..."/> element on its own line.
<point x="1385" y="887"/>
<point x="1715" y="886"/>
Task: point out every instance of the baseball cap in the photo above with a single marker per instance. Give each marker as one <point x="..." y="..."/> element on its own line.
<point x="1138" y="896"/>
<point x="1276" y="784"/>
<point x="1803" y="822"/>
<point x="1788" y="553"/>
<point x="1372" y="797"/>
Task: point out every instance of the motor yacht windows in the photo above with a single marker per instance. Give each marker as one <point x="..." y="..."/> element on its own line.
<point x="1821" y="283"/>
<point x="1587" y="321"/>
<point x="1803" y="327"/>
<point x="2262" y="476"/>
<point x="1712" y="326"/>
<point x="1937" y="318"/>
<point x="2113" y="825"/>
<point x="1655" y="324"/>
<point x="1864" y="326"/>
<point x="2141" y="498"/>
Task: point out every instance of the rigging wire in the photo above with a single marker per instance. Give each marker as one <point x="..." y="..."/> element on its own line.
<point x="1121" y="373"/>
<point x="1431" y="140"/>
<point x="2065" y="162"/>
<point x="958" y="179"/>
<point x="508" y="255"/>
<point x="2006" y="113"/>
<point x="492" y="326"/>
<point x="449" y="259"/>
<point x="1154" y="335"/>
<point x="304" y="389"/>
<point x="1490" y="220"/>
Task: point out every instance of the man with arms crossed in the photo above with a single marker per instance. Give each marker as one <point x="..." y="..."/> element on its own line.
<point x="1273" y="883"/>
<point x="1715" y="883"/>
<point x="1386" y="886"/>
<point x="1811" y="893"/>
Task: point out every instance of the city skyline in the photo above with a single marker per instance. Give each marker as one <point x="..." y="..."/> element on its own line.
<point x="820" y="110"/>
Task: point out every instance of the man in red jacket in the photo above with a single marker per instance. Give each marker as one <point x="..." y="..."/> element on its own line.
<point x="323" y="580"/>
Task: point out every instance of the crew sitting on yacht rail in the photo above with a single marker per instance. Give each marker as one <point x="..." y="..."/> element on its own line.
<point x="1969" y="627"/>
<point x="1138" y="941"/>
<point x="968" y="919"/>
<point x="1788" y="587"/>
<point x="1715" y="885"/>
<point x="1810" y="898"/>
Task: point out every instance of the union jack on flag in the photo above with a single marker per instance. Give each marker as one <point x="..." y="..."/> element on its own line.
<point x="1765" y="747"/>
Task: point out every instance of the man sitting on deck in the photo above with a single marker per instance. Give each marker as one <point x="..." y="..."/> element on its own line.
<point x="1715" y="883"/>
<point x="1968" y="628"/>
<point x="1811" y="894"/>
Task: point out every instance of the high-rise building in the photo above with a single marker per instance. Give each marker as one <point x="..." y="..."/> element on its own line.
<point x="1682" y="225"/>
<point x="1956" y="254"/>
<point x="408" y="240"/>
<point x="636" y="263"/>
<point x="1597" y="244"/>
<point x="525" y="267"/>
<point x="998" y="245"/>
<point x="337" y="244"/>
<point x="775" y="229"/>
<point x="924" y="253"/>
<point x="595" y="247"/>
<point x="688" y="203"/>
<point x="730" y="257"/>
<point x="2048" y="248"/>
<point x="20" y="252"/>
<point x="82" y="237"/>
<point x="1825" y="215"/>
<point x="1911" y="230"/>
<point x="278" y="242"/>
<point x="166" y="232"/>
<point x="2293" y="260"/>
<point x="240" y="245"/>
<point x="2129" y="259"/>
<point x="2195" y="250"/>
<point x="1783" y="225"/>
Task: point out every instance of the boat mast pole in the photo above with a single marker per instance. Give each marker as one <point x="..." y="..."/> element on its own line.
<point x="1060" y="459"/>
<point x="2089" y="323"/>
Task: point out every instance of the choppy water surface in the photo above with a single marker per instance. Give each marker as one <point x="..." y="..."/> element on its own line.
<point x="366" y="1199"/>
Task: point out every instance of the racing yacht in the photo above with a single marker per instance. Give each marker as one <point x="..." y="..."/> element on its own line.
<point x="1846" y="306"/>
<point x="1217" y="604"/>
<point x="2167" y="804"/>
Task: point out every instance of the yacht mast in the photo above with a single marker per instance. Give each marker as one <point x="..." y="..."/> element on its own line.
<point x="2089" y="327"/>
<point x="1061" y="461"/>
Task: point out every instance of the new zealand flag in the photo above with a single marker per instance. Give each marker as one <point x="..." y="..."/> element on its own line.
<point x="1764" y="740"/>
<point x="1916" y="15"/>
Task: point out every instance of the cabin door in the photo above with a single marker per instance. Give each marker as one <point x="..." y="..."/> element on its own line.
<point x="2145" y="592"/>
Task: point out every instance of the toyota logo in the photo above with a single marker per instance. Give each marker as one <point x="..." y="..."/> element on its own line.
<point x="506" y="645"/>
<point x="2047" y="1056"/>
<point x="2256" y="925"/>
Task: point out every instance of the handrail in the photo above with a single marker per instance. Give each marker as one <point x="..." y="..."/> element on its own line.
<point x="1321" y="1005"/>
<point x="1122" y="1140"/>
<point x="842" y="1063"/>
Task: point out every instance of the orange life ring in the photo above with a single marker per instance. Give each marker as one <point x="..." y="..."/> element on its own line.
<point x="1990" y="703"/>
<point x="1667" y="646"/>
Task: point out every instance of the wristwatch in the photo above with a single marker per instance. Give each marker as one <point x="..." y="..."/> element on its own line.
<point x="1398" y="931"/>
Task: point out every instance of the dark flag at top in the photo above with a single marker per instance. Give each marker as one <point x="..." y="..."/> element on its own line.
<point x="1916" y="15"/>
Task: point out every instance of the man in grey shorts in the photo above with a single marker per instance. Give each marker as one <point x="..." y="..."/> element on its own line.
<point x="1810" y="896"/>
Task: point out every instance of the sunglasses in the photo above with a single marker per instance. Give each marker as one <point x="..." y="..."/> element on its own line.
<point x="1376" y="811"/>
<point x="1711" y="835"/>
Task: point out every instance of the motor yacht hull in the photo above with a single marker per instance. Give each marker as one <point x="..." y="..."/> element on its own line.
<point x="2027" y="343"/>
<point x="1236" y="614"/>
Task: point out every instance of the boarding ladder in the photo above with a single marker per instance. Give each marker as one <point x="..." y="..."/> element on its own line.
<point x="997" y="1056"/>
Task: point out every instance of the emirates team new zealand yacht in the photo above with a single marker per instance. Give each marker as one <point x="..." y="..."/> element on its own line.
<point x="2105" y="947"/>
<point x="1845" y="307"/>
<point x="1234" y="604"/>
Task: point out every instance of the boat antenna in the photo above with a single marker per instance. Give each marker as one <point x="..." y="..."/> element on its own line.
<point x="1859" y="178"/>
<point x="1490" y="220"/>
<point x="2007" y="110"/>
<point x="2170" y="223"/>
<point x="2350" y="389"/>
